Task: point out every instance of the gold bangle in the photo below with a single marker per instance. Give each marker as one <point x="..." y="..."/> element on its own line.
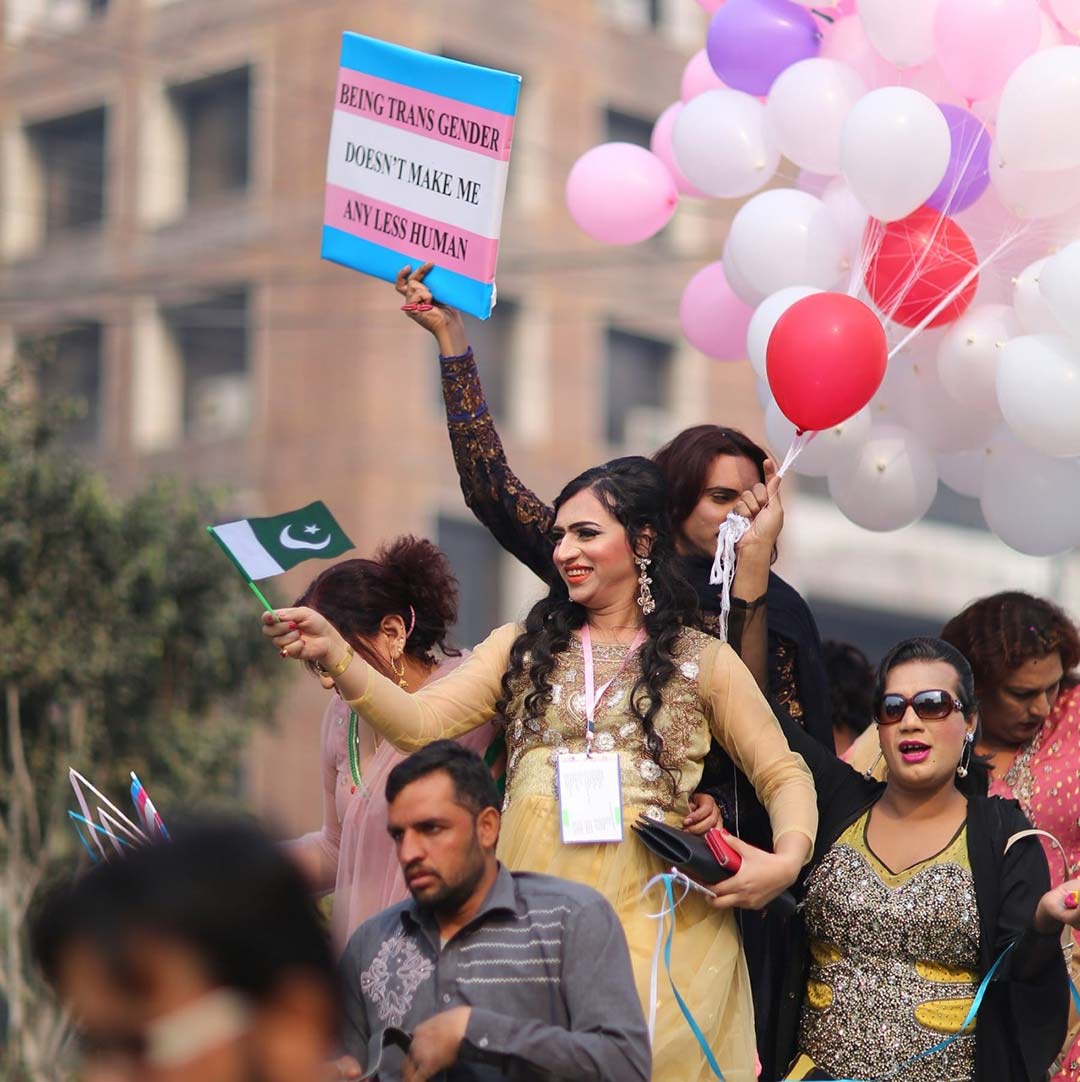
<point x="340" y="667"/>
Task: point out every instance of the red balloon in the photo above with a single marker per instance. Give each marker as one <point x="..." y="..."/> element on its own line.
<point x="922" y="259"/>
<point x="825" y="359"/>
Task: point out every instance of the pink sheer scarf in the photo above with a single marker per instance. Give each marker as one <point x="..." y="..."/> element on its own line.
<point x="353" y="850"/>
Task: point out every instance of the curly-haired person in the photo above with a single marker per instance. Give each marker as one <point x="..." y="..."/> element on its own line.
<point x="395" y="610"/>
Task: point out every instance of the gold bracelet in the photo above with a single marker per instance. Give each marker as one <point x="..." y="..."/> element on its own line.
<point x="339" y="668"/>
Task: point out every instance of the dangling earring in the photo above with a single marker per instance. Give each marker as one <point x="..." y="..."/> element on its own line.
<point x="399" y="673"/>
<point x="965" y="756"/>
<point x="868" y="773"/>
<point x="645" y="597"/>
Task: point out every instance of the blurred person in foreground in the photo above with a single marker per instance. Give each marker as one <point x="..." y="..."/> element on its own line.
<point x="396" y="610"/>
<point x="485" y="974"/>
<point x="200" y="959"/>
<point x="1024" y="651"/>
<point x="851" y="688"/>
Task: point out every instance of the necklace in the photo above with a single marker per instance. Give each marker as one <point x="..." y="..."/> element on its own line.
<point x="354" y="750"/>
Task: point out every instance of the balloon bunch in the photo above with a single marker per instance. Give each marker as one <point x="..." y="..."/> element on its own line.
<point x="912" y="297"/>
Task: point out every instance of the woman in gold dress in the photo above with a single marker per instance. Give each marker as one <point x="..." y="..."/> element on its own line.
<point x="616" y="621"/>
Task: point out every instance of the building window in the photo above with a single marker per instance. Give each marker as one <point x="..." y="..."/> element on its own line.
<point x="493" y="346"/>
<point x="211" y="338"/>
<point x="214" y="116"/>
<point x="476" y="558"/>
<point x="639" y="372"/>
<point x="71" y="157"/>
<point x="69" y="368"/>
<point x="620" y="127"/>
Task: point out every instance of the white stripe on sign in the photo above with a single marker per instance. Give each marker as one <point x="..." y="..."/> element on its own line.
<point x="415" y="173"/>
<point x="239" y="538"/>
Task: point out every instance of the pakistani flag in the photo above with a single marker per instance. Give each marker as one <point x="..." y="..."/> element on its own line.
<point x="262" y="547"/>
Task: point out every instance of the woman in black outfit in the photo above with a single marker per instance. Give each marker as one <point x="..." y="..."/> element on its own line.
<point x="912" y="893"/>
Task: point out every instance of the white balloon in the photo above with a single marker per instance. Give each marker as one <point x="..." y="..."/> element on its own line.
<point x="781" y="238"/>
<point x="764" y="319"/>
<point x="1059" y="283"/>
<point x="806" y="109"/>
<point x="888" y="482"/>
<point x="1037" y="127"/>
<point x="1032" y="309"/>
<point x="764" y="393"/>
<point x="739" y="285"/>
<point x="825" y="449"/>
<point x="935" y="417"/>
<point x="1032" y="501"/>
<point x="901" y="32"/>
<point x="812" y="183"/>
<point x="1033" y="195"/>
<point x="848" y="214"/>
<point x="963" y="471"/>
<point x="720" y="143"/>
<point x="967" y="358"/>
<point x="894" y="150"/>
<point x="1038" y="387"/>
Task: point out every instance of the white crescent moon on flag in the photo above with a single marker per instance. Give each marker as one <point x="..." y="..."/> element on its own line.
<point x="289" y="542"/>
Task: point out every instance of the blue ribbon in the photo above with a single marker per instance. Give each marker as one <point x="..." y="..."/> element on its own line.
<point x="1075" y="996"/>
<point x="690" y="1020"/>
<point x="973" y="1010"/>
<point x="77" y="819"/>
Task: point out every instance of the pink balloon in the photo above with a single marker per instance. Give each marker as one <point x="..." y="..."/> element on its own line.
<point x="846" y="40"/>
<point x="698" y="76"/>
<point x="710" y="7"/>
<point x="620" y="193"/>
<point x="714" y="320"/>
<point x="660" y="145"/>
<point x="980" y="42"/>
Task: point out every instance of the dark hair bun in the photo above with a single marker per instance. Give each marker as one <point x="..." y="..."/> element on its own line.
<point x="422" y="577"/>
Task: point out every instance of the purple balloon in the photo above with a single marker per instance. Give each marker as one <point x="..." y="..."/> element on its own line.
<point x="968" y="172"/>
<point x="751" y="41"/>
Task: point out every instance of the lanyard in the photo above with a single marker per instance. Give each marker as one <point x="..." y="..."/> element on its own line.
<point x="592" y="696"/>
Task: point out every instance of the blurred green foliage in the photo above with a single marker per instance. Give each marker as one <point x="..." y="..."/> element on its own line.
<point x="128" y="642"/>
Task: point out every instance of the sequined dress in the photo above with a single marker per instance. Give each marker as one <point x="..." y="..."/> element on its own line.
<point x="894" y="961"/>
<point x="710" y="693"/>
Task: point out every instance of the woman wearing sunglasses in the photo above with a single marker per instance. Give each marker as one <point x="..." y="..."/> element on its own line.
<point x="911" y="898"/>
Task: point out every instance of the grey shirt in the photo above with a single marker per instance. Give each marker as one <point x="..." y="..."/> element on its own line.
<point x="544" y="966"/>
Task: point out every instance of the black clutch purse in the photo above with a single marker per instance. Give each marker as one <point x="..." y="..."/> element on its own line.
<point x="695" y="857"/>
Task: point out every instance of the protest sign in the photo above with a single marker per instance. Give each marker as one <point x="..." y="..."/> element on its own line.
<point x="417" y="166"/>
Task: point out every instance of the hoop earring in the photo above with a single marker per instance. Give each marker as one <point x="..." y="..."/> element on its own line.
<point x="645" y="597"/>
<point x="965" y="756"/>
<point x="400" y="674"/>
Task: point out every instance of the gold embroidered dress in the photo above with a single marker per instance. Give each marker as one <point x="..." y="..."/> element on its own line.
<point x="894" y="961"/>
<point x="711" y="692"/>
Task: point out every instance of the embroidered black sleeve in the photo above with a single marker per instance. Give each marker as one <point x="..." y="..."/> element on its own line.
<point x="517" y="518"/>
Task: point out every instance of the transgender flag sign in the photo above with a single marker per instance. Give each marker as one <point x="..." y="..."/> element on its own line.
<point x="419" y="149"/>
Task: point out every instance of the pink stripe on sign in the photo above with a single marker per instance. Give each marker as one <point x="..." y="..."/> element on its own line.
<point x="411" y="234"/>
<point x="443" y="119"/>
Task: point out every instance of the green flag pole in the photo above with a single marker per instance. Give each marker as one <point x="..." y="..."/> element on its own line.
<point x="254" y="589"/>
<point x="259" y="594"/>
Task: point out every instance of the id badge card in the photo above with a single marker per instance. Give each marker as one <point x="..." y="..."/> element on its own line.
<point x="590" y="798"/>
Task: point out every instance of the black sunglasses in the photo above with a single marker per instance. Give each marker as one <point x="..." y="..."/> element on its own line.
<point x="932" y="705"/>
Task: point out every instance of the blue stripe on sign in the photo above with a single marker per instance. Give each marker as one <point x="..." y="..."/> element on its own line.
<point x="483" y="87"/>
<point x="458" y="290"/>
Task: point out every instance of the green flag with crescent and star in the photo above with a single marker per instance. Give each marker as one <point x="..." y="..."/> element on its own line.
<point x="263" y="547"/>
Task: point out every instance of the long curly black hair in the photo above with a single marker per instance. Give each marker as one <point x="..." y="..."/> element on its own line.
<point x="633" y="491"/>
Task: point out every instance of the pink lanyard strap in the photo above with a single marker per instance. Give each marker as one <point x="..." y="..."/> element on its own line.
<point x="593" y="696"/>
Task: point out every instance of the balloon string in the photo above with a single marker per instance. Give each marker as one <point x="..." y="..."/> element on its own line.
<point x="798" y="445"/>
<point x="957" y="290"/>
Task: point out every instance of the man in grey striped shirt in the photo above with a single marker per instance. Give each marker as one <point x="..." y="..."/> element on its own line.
<point x="485" y="974"/>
